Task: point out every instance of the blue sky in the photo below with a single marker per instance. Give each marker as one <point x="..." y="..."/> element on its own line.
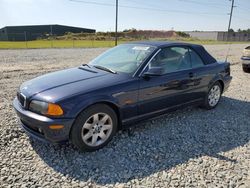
<point x="184" y="15"/>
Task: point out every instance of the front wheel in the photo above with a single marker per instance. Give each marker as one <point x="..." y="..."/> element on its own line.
<point x="94" y="128"/>
<point x="213" y="96"/>
<point x="245" y="69"/>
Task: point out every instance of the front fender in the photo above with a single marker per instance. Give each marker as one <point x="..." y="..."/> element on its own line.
<point x="76" y="105"/>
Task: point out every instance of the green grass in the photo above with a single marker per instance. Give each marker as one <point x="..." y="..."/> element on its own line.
<point x="56" y="44"/>
<point x="87" y="43"/>
<point x="202" y="42"/>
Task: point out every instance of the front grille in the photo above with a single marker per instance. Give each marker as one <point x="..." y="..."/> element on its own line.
<point x="21" y="98"/>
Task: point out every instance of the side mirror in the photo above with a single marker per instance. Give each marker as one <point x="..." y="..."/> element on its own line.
<point x="154" y="71"/>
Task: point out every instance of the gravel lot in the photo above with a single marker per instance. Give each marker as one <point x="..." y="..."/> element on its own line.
<point x="187" y="148"/>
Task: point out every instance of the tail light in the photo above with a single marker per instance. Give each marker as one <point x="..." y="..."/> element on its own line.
<point x="227" y="69"/>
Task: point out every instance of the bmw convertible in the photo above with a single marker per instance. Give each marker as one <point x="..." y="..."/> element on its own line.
<point x="87" y="105"/>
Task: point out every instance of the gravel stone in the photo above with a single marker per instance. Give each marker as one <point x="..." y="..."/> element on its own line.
<point x="191" y="147"/>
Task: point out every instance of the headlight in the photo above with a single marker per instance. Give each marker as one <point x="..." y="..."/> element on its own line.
<point x="45" y="108"/>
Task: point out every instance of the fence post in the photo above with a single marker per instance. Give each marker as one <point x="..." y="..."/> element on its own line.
<point x="51" y="34"/>
<point x="25" y="38"/>
<point x="51" y="43"/>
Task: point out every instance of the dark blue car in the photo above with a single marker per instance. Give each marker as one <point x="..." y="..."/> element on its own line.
<point x="124" y="85"/>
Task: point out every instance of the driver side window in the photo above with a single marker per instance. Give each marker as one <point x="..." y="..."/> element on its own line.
<point x="172" y="59"/>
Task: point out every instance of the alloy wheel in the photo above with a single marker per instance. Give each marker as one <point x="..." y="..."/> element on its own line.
<point x="97" y="129"/>
<point x="214" y="95"/>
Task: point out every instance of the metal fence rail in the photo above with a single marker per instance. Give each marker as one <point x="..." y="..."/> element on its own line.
<point x="47" y="40"/>
<point x="43" y="40"/>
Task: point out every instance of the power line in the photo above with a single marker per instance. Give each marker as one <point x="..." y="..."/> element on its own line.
<point x="93" y="3"/>
<point x="243" y="8"/>
<point x="215" y="5"/>
<point x="150" y="9"/>
<point x="242" y="18"/>
<point x="144" y="3"/>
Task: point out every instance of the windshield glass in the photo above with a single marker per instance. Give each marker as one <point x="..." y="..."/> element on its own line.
<point x="124" y="58"/>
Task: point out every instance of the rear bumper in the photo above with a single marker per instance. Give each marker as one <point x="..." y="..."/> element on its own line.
<point x="245" y="62"/>
<point x="37" y="125"/>
<point x="227" y="80"/>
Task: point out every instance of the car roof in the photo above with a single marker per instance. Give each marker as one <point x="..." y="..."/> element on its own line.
<point x="206" y="57"/>
<point x="161" y="44"/>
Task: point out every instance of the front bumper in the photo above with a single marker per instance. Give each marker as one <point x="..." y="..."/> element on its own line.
<point x="38" y="126"/>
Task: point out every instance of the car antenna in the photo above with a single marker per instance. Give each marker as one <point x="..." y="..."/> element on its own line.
<point x="228" y="50"/>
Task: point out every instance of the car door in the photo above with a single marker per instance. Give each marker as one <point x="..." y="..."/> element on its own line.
<point x="173" y="87"/>
<point x="202" y="75"/>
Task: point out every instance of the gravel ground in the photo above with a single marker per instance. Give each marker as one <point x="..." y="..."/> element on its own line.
<point x="187" y="148"/>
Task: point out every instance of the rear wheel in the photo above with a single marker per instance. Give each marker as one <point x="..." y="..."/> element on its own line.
<point x="94" y="127"/>
<point x="213" y="96"/>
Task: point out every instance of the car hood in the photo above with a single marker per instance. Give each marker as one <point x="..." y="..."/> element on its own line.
<point x="59" y="79"/>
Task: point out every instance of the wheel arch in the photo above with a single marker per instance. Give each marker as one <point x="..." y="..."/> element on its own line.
<point x="112" y="105"/>
<point x="219" y="79"/>
<point x="222" y="85"/>
<point x="115" y="108"/>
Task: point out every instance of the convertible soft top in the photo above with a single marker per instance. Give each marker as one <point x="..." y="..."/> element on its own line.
<point x="205" y="56"/>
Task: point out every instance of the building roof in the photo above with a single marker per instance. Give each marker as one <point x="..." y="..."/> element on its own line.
<point x="46" y="25"/>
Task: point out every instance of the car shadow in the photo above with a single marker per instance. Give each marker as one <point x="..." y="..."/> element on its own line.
<point x="156" y="145"/>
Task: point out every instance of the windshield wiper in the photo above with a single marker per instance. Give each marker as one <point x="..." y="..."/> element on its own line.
<point x="105" y="68"/>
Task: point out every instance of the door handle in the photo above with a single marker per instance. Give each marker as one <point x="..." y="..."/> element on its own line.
<point x="191" y="75"/>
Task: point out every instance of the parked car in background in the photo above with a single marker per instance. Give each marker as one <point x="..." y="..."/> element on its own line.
<point x="246" y="59"/>
<point x="126" y="84"/>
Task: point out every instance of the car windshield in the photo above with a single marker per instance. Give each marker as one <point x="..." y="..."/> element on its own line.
<point x="124" y="58"/>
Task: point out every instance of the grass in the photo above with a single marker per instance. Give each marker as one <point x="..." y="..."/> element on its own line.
<point x="202" y="42"/>
<point x="56" y="44"/>
<point x="86" y="43"/>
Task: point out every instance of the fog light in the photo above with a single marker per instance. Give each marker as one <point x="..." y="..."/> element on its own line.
<point x="56" y="126"/>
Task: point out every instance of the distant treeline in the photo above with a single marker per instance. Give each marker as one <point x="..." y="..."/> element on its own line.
<point x="128" y="34"/>
<point x="240" y="30"/>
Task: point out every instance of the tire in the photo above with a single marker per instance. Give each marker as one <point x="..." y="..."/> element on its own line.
<point x="213" y="96"/>
<point x="247" y="70"/>
<point x="94" y="128"/>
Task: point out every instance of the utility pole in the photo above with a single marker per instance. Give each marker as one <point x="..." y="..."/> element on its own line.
<point x="230" y="18"/>
<point x="229" y="26"/>
<point x="116" y="22"/>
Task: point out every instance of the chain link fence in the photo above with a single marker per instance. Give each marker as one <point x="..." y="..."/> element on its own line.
<point x="46" y="40"/>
